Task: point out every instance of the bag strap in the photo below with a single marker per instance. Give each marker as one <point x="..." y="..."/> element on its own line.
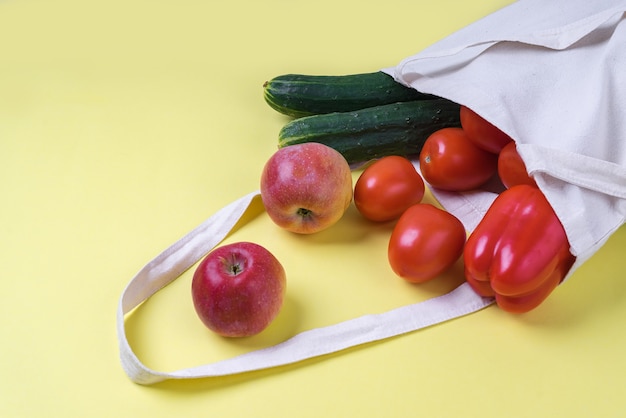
<point x="183" y="254"/>
<point x="590" y="173"/>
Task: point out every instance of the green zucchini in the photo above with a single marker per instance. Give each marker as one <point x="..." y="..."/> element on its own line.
<point x="300" y="95"/>
<point x="366" y="134"/>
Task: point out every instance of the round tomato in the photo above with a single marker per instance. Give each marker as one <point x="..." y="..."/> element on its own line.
<point x="450" y="161"/>
<point x="481" y="132"/>
<point x="425" y="242"/>
<point x="387" y="188"/>
<point x="511" y="167"/>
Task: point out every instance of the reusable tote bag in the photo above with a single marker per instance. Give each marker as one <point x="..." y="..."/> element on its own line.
<point x="551" y="74"/>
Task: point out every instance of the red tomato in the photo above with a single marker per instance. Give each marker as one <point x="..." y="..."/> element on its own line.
<point x="387" y="188"/>
<point x="511" y="167"/>
<point x="450" y="161"/>
<point x="481" y="132"/>
<point x="425" y="242"/>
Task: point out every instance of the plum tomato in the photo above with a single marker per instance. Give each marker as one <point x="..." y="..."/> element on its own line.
<point x="481" y="132"/>
<point x="511" y="167"/>
<point x="450" y="161"/>
<point x="387" y="187"/>
<point x="425" y="242"/>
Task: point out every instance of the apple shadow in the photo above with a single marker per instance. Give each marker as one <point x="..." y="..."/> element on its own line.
<point x="351" y="228"/>
<point x="284" y="326"/>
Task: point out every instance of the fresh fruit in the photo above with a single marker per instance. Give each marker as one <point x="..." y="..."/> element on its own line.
<point x="388" y="187"/>
<point x="450" y="161"/>
<point x="425" y="242"/>
<point x="511" y="167"/>
<point x="238" y="289"/>
<point x="300" y="95"/>
<point x="306" y="188"/>
<point x="367" y="134"/>
<point x="481" y="132"/>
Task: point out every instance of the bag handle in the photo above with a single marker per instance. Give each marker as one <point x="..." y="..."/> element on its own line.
<point x="183" y="254"/>
<point x="578" y="169"/>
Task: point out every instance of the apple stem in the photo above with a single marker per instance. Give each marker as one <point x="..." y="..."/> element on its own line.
<point x="233" y="264"/>
<point x="235" y="269"/>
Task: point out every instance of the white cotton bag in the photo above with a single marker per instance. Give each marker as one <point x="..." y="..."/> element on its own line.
<point x="552" y="75"/>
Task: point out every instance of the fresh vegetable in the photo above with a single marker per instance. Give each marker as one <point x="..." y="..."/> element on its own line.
<point x="425" y="242"/>
<point x="511" y="167"/>
<point x="300" y="95"/>
<point x="481" y="132"/>
<point x="388" y="187"/>
<point x="238" y="289"/>
<point x="363" y="135"/>
<point x="519" y="252"/>
<point x="450" y="161"/>
<point x="306" y="188"/>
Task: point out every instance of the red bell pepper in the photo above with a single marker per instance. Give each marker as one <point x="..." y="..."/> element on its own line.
<point x="519" y="252"/>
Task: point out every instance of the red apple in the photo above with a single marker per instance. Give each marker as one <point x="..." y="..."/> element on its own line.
<point x="306" y="187"/>
<point x="238" y="289"/>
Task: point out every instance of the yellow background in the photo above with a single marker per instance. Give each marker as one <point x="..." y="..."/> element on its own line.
<point x="124" y="124"/>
